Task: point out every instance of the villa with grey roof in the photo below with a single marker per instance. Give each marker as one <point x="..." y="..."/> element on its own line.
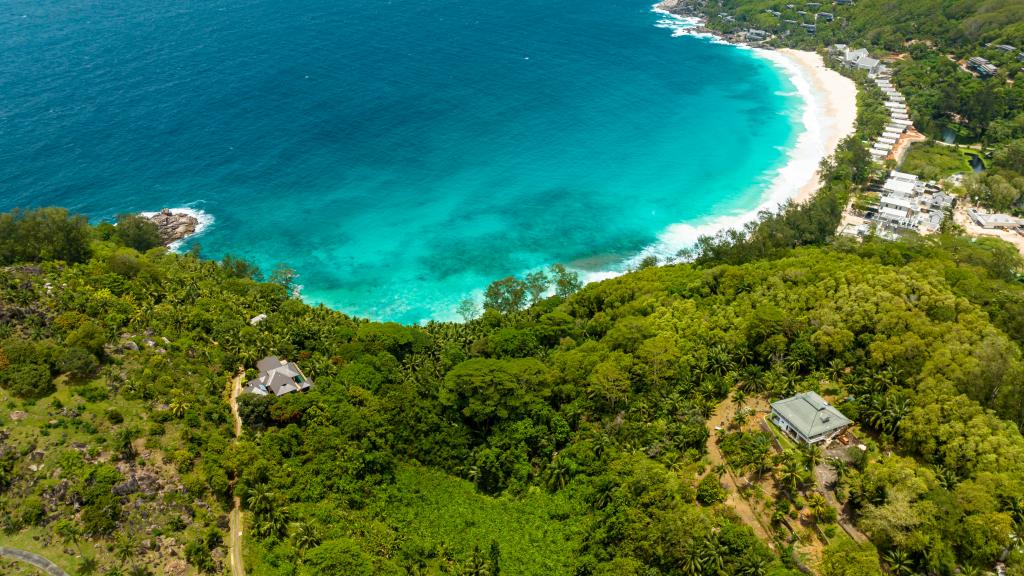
<point x="277" y="377"/>
<point x="809" y="419"/>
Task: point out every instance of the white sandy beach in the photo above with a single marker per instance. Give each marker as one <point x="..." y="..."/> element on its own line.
<point x="833" y="102"/>
<point x="828" y="116"/>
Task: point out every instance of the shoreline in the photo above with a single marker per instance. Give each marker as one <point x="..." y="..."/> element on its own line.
<point x="827" y="116"/>
<point x="830" y="107"/>
<point x="830" y="99"/>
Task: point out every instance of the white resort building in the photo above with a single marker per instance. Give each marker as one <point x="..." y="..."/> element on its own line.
<point x="994" y="221"/>
<point x="906" y="203"/>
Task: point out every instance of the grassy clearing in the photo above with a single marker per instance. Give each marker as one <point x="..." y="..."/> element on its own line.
<point x="427" y="512"/>
<point x="536" y="533"/>
<point x="934" y="161"/>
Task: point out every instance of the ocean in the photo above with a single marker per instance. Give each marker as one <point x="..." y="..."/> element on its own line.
<point x="399" y="156"/>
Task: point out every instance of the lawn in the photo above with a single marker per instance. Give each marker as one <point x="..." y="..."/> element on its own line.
<point x="934" y="161"/>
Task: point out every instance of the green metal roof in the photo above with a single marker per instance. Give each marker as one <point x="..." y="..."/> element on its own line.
<point x="810" y="414"/>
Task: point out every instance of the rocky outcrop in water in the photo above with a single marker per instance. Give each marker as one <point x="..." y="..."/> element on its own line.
<point x="174" y="226"/>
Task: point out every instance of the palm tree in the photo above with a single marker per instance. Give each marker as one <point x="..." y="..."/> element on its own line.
<point x="812" y="455"/>
<point x="126" y="547"/>
<point x="713" y="554"/>
<point x="304" y="536"/>
<point x="88" y="566"/>
<point x="259" y="500"/>
<point x="139" y="570"/>
<point x="759" y="455"/>
<point x="68" y="531"/>
<point x="691" y="561"/>
<point x="899" y="563"/>
<point x="842" y="470"/>
<point x="739" y="397"/>
<point x="791" y="476"/>
<point x="179" y="406"/>
<point x="477" y="565"/>
<point x="1015" y="506"/>
<point x="948" y="479"/>
<point x="819" y="505"/>
<point x="559" y="472"/>
<point x="753" y="566"/>
<point x="836" y="369"/>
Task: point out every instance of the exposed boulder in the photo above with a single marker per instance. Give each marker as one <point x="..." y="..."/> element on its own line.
<point x="174" y="226"/>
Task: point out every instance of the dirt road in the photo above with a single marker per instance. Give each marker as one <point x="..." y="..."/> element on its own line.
<point x="738" y="503"/>
<point x="235" y="524"/>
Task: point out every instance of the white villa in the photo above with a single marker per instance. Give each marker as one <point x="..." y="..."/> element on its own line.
<point x="858" y="59"/>
<point x="278" y="377"/>
<point x="809" y="419"/>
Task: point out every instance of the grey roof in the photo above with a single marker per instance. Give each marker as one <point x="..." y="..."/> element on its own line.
<point x="867" y="62"/>
<point x="810" y="414"/>
<point x="277" y="378"/>
<point x="942" y="199"/>
<point x="268" y="364"/>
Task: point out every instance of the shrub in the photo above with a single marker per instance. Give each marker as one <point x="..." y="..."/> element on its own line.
<point x="100" y="517"/>
<point x="94" y="393"/>
<point x="28" y="381"/>
<point x="77" y="362"/>
<point x="199" y="556"/>
<point x="710" y="490"/>
<point x="89" y="336"/>
<point x="114" y="416"/>
<point x="32" y="510"/>
<point x="137" y="232"/>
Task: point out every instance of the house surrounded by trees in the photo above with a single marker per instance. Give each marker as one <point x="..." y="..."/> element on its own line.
<point x="809" y="419"/>
<point x="278" y="377"/>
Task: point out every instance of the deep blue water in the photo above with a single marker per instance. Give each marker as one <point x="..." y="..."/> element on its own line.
<point x="399" y="156"/>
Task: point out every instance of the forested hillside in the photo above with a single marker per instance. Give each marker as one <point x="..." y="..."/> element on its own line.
<point x="566" y="437"/>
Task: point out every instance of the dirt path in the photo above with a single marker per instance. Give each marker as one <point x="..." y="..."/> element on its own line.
<point x="32" y="559"/>
<point x="235" y="520"/>
<point x="899" y="152"/>
<point x="743" y="509"/>
<point x="236" y="389"/>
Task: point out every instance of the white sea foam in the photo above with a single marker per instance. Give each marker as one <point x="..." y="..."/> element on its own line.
<point x="780" y="184"/>
<point x="679" y="25"/>
<point x="204" y="221"/>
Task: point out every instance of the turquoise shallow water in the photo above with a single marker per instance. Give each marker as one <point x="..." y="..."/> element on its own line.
<point x="399" y="156"/>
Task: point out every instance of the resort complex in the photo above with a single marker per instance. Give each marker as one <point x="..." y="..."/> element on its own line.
<point x="905" y="203"/>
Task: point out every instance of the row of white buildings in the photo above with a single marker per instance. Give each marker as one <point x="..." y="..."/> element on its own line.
<point x="899" y="121"/>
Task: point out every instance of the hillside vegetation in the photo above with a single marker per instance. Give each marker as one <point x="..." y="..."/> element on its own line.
<point x="566" y="437"/>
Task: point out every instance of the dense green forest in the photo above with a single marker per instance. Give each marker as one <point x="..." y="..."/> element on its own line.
<point x="926" y="43"/>
<point x="565" y="436"/>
